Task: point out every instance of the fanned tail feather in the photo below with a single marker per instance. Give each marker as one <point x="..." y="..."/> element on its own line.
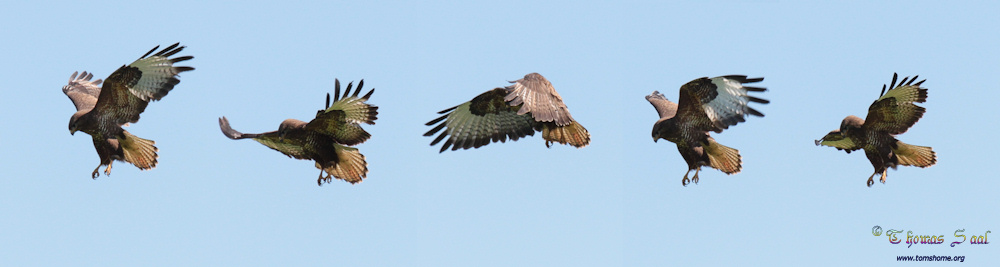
<point x="351" y="166"/>
<point x="140" y="152"/>
<point x="913" y="155"/>
<point x="573" y="134"/>
<point x="723" y="158"/>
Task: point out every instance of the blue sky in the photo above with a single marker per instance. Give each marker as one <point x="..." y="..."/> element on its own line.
<point x="618" y="202"/>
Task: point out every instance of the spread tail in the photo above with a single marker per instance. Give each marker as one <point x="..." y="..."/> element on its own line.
<point x="912" y="155"/>
<point x="723" y="158"/>
<point x="140" y="152"/>
<point x="350" y="167"/>
<point x="573" y="134"/>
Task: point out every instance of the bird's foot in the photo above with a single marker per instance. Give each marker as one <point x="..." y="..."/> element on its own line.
<point x="324" y="180"/>
<point x="870" y="181"/>
<point x="883" y="176"/>
<point x="695" y="178"/>
<point x="94" y="174"/>
<point x="107" y="171"/>
<point x="685" y="181"/>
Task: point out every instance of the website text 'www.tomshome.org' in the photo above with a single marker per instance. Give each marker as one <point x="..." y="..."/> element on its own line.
<point x="931" y="258"/>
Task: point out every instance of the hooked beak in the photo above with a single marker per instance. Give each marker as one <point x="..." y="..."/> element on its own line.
<point x="71" y="132"/>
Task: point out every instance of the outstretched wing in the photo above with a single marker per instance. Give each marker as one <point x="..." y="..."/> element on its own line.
<point x="717" y="103"/>
<point x="342" y="120"/>
<point x="129" y="89"/>
<point x="839" y="141"/>
<point x="895" y="112"/>
<point x="487" y="118"/>
<point x="82" y="91"/>
<point x="292" y="145"/>
<point x="536" y="95"/>
<point x="664" y="107"/>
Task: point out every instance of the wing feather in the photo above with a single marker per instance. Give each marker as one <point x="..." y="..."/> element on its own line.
<point x="839" y="141"/>
<point x="82" y="91"/>
<point x="895" y="111"/>
<point x="536" y="95"/>
<point x="664" y="107"/>
<point x="293" y="145"/>
<point x="342" y="120"/>
<point x="128" y="90"/>
<point x="485" y="119"/>
<point x="717" y="103"/>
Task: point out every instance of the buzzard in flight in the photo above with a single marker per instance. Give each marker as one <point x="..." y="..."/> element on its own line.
<point x="325" y="139"/>
<point x="891" y="114"/>
<point x="530" y="104"/>
<point x="102" y="110"/>
<point x="705" y="105"/>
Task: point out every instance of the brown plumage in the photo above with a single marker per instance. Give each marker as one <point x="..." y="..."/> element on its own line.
<point x="891" y="114"/>
<point x="102" y="111"/>
<point x="530" y="104"/>
<point x="705" y="105"/>
<point x="326" y="138"/>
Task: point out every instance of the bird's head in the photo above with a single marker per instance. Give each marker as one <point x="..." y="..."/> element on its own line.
<point x="850" y="123"/>
<point x="287" y="126"/>
<point x="74" y="121"/>
<point x="664" y="128"/>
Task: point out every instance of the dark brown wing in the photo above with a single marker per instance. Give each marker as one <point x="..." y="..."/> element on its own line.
<point x="292" y="145"/>
<point x="717" y="103"/>
<point x="486" y="118"/>
<point x="895" y="112"/>
<point x="341" y="121"/>
<point x="82" y="91"/>
<point x="535" y="94"/>
<point x="128" y="90"/>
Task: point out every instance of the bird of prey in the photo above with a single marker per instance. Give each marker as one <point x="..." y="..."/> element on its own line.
<point x="891" y="114"/>
<point x="325" y="139"/>
<point x="103" y="110"/>
<point x="705" y="105"/>
<point x="530" y="104"/>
